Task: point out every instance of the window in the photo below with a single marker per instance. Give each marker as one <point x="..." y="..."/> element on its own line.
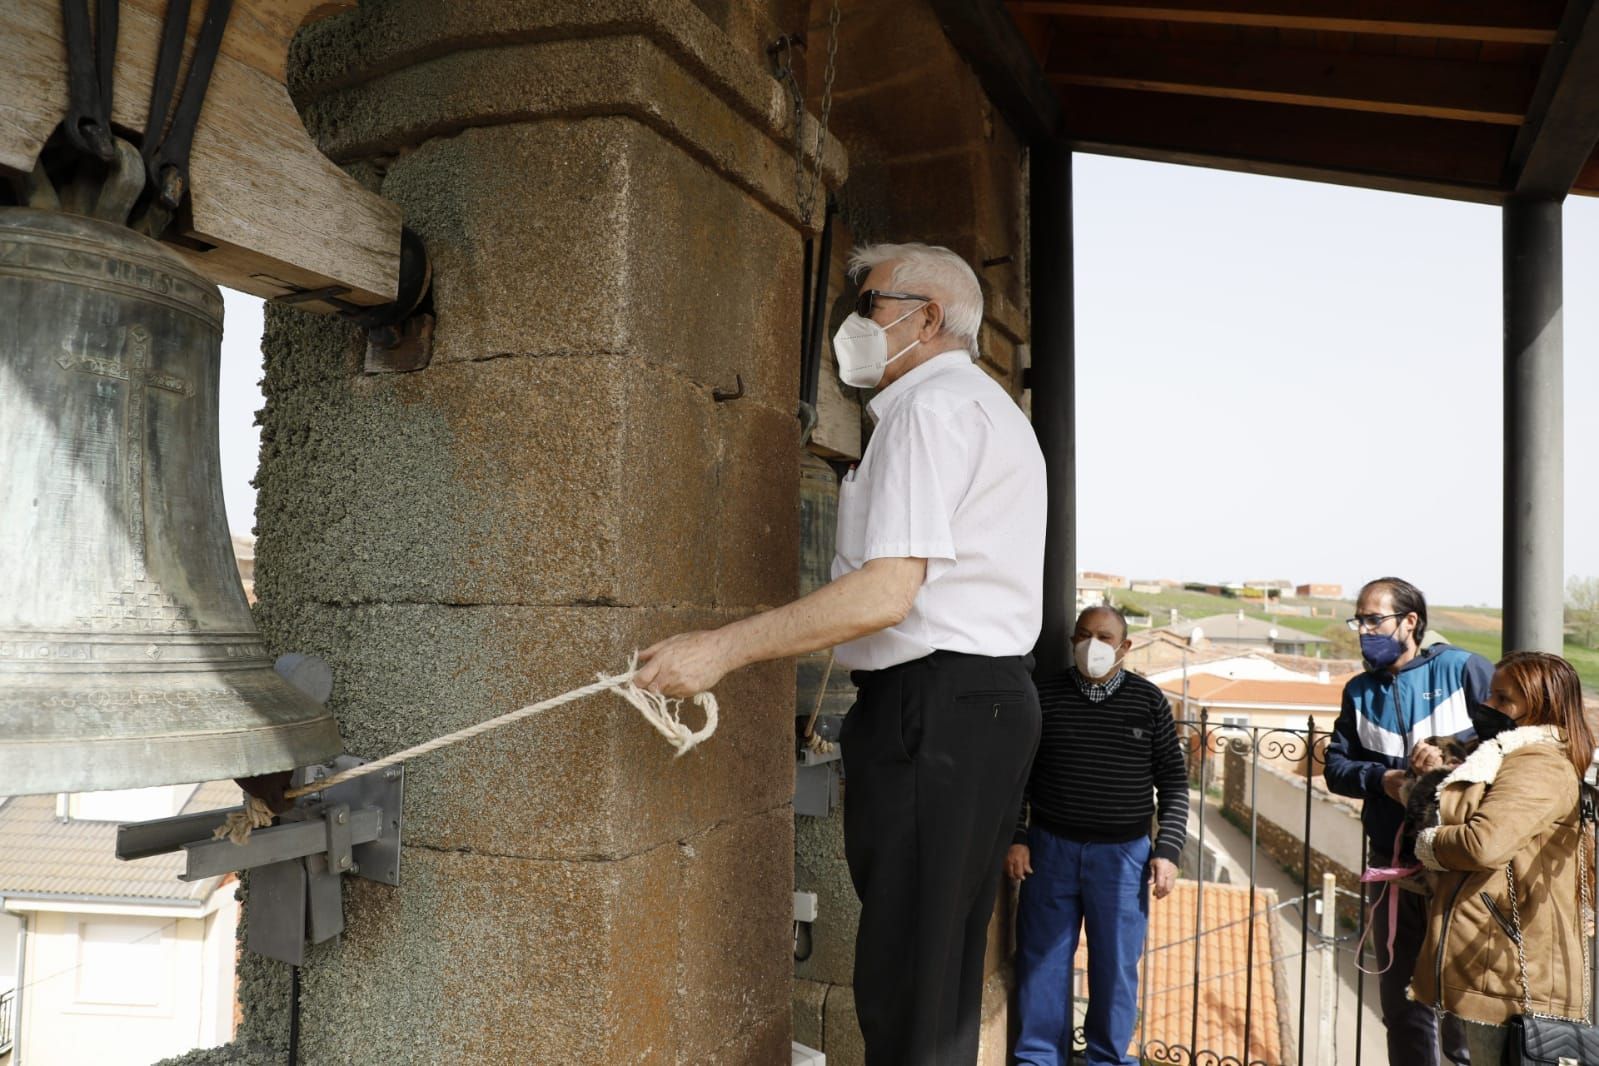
<point x="128" y="804"/>
<point x="123" y="962"/>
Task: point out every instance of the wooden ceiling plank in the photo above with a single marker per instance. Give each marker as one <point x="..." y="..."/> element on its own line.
<point x="1562" y="127"/>
<point x="1424" y="87"/>
<point x="1476" y="194"/>
<point x="1477" y="20"/>
<point x="1392" y="146"/>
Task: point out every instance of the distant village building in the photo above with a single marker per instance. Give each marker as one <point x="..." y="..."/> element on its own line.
<point x="1273" y="702"/>
<point x="1241" y="631"/>
<point x="244" y="556"/>
<point x="1114" y="581"/>
<point x="105" y="962"/>
<point x="1091" y="592"/>
<point x="1319" y="592"/>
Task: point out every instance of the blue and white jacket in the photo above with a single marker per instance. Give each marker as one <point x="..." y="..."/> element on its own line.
<point x="1384" y="716"/>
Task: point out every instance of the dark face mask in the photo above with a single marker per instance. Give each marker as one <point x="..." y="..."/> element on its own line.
<point x="1381" y="650"/>
<point x="1490" y="723"/>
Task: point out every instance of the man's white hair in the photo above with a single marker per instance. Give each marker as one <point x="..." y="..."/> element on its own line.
<point x="930" y="270"/>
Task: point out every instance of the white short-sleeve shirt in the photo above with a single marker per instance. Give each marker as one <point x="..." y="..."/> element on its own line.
<point x="953" y="474"/>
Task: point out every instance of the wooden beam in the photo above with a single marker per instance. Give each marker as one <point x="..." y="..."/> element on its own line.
<point x="1475" y="194"/>
<point x="269" y="213"/>
<point x="1531" y="22"/>
<point x="1354" y="81"/>
<point x="985" y="36"/>
<point x="1390" y="147"/>
<point x="1562" y="126"/>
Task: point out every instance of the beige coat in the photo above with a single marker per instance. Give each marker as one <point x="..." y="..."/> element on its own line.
<point x="1514" y="800"/>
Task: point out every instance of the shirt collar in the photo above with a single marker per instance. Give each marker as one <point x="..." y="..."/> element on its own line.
<point x="1098" y="692"/>
<point x="880" y="404"/>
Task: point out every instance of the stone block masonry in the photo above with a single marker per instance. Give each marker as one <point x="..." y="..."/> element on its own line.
<point x="606" y="190"/>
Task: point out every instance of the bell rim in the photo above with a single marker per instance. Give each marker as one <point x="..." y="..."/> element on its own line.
<point x="103" y="764"/>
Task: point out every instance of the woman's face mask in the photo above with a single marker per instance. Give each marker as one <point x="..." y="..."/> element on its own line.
<point x="861" y="349"/>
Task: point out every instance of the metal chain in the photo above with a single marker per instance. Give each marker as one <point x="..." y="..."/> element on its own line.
<point x="782" y="53"/>
<point x="1582" y="925"/>
<point x="1582" y="919"/>
<point x="807" y="203"/>
<point x="1521" y="951"/>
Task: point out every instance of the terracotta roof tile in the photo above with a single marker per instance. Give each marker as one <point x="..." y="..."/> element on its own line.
<point x="1232" y="972"/>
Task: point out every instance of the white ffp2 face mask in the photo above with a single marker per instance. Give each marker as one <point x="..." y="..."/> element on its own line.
<point x="861" y="348"/>
<point x="1094" y="657"/>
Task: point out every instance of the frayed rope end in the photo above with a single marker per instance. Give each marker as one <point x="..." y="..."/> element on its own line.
<point x="238" y="825"/>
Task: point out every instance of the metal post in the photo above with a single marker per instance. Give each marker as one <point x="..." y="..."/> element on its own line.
<point x="1534" y="396"/>
<point x="1053" y="380"/>
<point x="22" y="984"/>
<point x="1329" y="964"/>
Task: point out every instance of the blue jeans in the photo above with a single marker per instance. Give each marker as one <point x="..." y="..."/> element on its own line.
<point x="1103" y="887"/>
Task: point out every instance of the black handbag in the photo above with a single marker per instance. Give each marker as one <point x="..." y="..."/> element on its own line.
<point x="1540" y="1039"/>
<point x="1537" y="1040"/>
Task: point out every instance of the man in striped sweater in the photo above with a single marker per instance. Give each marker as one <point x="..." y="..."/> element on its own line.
<point x="1109" y="750"/>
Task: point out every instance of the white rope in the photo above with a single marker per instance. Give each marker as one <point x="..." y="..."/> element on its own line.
<point x="660" y="711"/>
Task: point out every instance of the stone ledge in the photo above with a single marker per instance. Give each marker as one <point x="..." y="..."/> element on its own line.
<point x="403" y="53"/>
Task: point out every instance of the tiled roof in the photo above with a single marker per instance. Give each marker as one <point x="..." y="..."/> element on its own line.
<point x="41" y="854"/>
<point x="1226" y="962"/>
<point x="1209" y="689"/>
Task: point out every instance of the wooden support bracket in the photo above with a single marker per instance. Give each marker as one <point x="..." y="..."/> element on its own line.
<point x="270" y="215"/>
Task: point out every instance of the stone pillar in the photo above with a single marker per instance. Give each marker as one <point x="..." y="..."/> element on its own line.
<point x="606" y="190"/>
<point x="1534" y="589"/>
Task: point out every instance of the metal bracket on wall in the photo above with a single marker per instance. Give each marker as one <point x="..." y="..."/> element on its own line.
<point x="816" y="774"/>
<point x="399" y="335"/>
<point x="295" y="887"/>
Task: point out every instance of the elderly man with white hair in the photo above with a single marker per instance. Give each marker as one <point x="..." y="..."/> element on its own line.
<point x="935" y="605"/>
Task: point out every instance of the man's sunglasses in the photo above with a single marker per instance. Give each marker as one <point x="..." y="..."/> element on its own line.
<point x="866" y="302"/>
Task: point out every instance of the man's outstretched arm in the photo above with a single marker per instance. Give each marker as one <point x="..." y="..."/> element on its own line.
<point x="864" y="601"/>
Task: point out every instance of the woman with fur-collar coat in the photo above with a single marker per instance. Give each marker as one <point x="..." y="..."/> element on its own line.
<point x="1515" y="800"/>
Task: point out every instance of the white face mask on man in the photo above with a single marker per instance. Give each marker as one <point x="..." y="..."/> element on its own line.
<point x="1094" y="657"/>
<point x="861" y="348"/>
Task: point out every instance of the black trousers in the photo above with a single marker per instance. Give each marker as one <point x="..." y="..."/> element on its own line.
<point x="936" y="752"/>
<point x="1414" y="1032"/>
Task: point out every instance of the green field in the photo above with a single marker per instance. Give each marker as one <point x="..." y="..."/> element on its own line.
<point x="1487" y="644"/>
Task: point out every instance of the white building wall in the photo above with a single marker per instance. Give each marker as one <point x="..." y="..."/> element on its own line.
<point x="1334" y="826"/>
<point x="10" y="931"/>
<point x="126" y="990"/>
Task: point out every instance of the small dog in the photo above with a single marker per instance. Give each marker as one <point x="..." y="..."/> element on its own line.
<point x="1420" y="795"/>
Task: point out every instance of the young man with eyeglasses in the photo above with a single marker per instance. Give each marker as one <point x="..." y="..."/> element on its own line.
<point x="935" y="605"/>
<point x="1412" y="689"/>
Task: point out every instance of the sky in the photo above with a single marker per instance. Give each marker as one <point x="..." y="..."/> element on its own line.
<point x="1276" y="379"/>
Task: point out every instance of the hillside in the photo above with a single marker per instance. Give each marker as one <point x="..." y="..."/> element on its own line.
<point x="1476" y="629"/>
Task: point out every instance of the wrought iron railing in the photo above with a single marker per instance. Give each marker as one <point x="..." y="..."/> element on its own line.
<point x="1301" y="753"/>
<point x="8" y="1001"/>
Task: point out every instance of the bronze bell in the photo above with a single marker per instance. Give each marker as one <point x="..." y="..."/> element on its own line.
<point x="128" y="656"/>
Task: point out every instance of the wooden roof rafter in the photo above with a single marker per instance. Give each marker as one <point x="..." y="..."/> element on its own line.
<point x="1477" y="100"/>
<point x="1474" y="20"/>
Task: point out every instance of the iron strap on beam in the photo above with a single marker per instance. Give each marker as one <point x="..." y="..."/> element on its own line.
<point x="1563" y="119"/>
